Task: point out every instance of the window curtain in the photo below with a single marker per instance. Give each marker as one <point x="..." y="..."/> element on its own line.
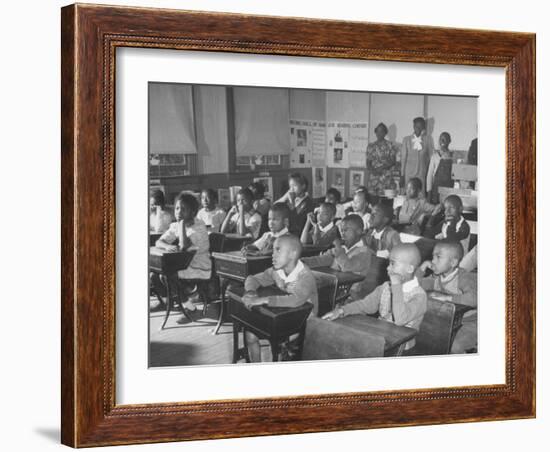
<point x="171" y="119"/>
<point x="261" y="121"/>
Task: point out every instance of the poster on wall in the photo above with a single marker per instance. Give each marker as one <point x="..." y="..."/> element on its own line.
<point x="300" y="143"/>
<point x="267" y="182"/>
<point x="307" y="143"/>
<point x="338" y="145"/>
<point x="338" y="180"/>
<point x="319" y="182"/>
<point x="356" y="179"/>
<point x="358" y="142"/>
<point x="347" y="144"/>
<point x="224" y="198"/>
<point x="318" y="143"/>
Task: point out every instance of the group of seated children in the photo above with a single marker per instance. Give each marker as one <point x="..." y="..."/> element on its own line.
<point x="352" y="241"/>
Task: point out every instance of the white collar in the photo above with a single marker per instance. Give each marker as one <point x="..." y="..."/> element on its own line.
<point x="417" y="142"/>
<point x="293" y="274"/>
<point x="457" y="226"/>
<point x="280" y="233"/>
<point x="356" y="244"/>
<point x="410" y="285"/>
<point x="326" y="228"/>
<point x="449" y="277"/>
<point x="378" y="235"/>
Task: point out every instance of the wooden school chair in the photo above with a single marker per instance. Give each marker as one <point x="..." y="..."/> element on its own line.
<point x="438" y="329"/>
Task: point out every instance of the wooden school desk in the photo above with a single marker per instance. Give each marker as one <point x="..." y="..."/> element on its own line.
<point x="234" y="242"/>
<point x="344" y="282"/>
<point x="167" y="264"/>
<point x="274" y="324"/>
<point x="355" y="336"/>
<point x="236" y="266"/>
<point x="153" y="237"/>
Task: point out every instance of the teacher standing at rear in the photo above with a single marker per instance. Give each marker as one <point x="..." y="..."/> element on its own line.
<point x="416" y="152"/>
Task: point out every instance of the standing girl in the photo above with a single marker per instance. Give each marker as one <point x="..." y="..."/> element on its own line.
<point x="440" y="169"/>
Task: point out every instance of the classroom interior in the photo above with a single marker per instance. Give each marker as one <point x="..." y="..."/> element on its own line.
<point x="224" y="138"/>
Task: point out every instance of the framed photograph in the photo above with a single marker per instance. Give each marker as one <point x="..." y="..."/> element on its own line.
<point x="268" y="185"/>
<point x="356" y="179"/>
<point x="319" y="182"/>
<point x="339" y="180"/>
<point x="156" y="341"/>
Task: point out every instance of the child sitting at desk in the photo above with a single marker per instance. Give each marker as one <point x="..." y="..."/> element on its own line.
<point x="414" y="209"/>
<point x="159" y="219"/>
<point x="381" y="237"/>
<point x="242" y="218"/>
<point x="449" y="282"/>
<point x="361" y="207"/>
<point x="290" y="275"/>
<point x="324" y="230"/>
<point x="448" y="224"/>
<point x="210" y="214"/>
<point x="333" y="196"/>
<point x="188" y="233"/>
<point x="348" y="255"/>
<point x="278" y="225"/>
<point x="299" y="202"/>
<point x="401" y="300"/>
<point x="261" y="203"/>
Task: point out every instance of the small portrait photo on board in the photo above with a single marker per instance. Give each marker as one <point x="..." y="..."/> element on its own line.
<point x="302" y="158"/>
<point x="356" y="180"/>
<point x="301" y="137"/>
<point x="319" y="175"/>
<point x="338" y="155"/>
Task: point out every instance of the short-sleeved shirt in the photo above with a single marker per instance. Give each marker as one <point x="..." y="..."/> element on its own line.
<point x="201" y="265"/>
<point x="160" y="222"/>
<point x="213" y="218"/>
<point x="252" y="221"/>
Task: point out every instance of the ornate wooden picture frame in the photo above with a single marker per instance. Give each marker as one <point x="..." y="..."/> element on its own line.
<point x="90" y="37"/>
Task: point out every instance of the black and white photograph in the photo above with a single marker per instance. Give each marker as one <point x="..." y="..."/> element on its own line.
<point x="250" y="262"/>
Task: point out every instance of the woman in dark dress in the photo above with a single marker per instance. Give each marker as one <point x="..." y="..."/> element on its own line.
<point x="380" y="162"/>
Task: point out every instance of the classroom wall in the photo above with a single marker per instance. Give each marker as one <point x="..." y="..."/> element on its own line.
<point x="456" y="115"/>
<point x="307" y="104"/>
<point x="396" y="111"/>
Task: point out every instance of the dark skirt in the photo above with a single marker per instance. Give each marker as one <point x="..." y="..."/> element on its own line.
<point x="442" y="178"/>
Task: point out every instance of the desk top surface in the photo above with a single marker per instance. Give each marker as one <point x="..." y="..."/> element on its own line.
<point x="238" y="256"/>
<point x="342" y="277"/>
<point x="394" y="335"/>
<point x="234" y="236"/>
<point x="154" y="251"/>
<point x="236" y="293"/>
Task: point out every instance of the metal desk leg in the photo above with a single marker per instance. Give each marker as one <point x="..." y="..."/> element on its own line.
<point x="169" y="296"/>
<point x="236" y="329"/>
<point x="224" y="282"/>
<point x="275" y="350"/>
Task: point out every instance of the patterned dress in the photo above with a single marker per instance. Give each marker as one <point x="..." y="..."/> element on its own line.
<point x="381" y="166"/>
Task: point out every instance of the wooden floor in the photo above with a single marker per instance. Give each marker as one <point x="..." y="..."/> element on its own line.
<point x="189" y="344"/>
